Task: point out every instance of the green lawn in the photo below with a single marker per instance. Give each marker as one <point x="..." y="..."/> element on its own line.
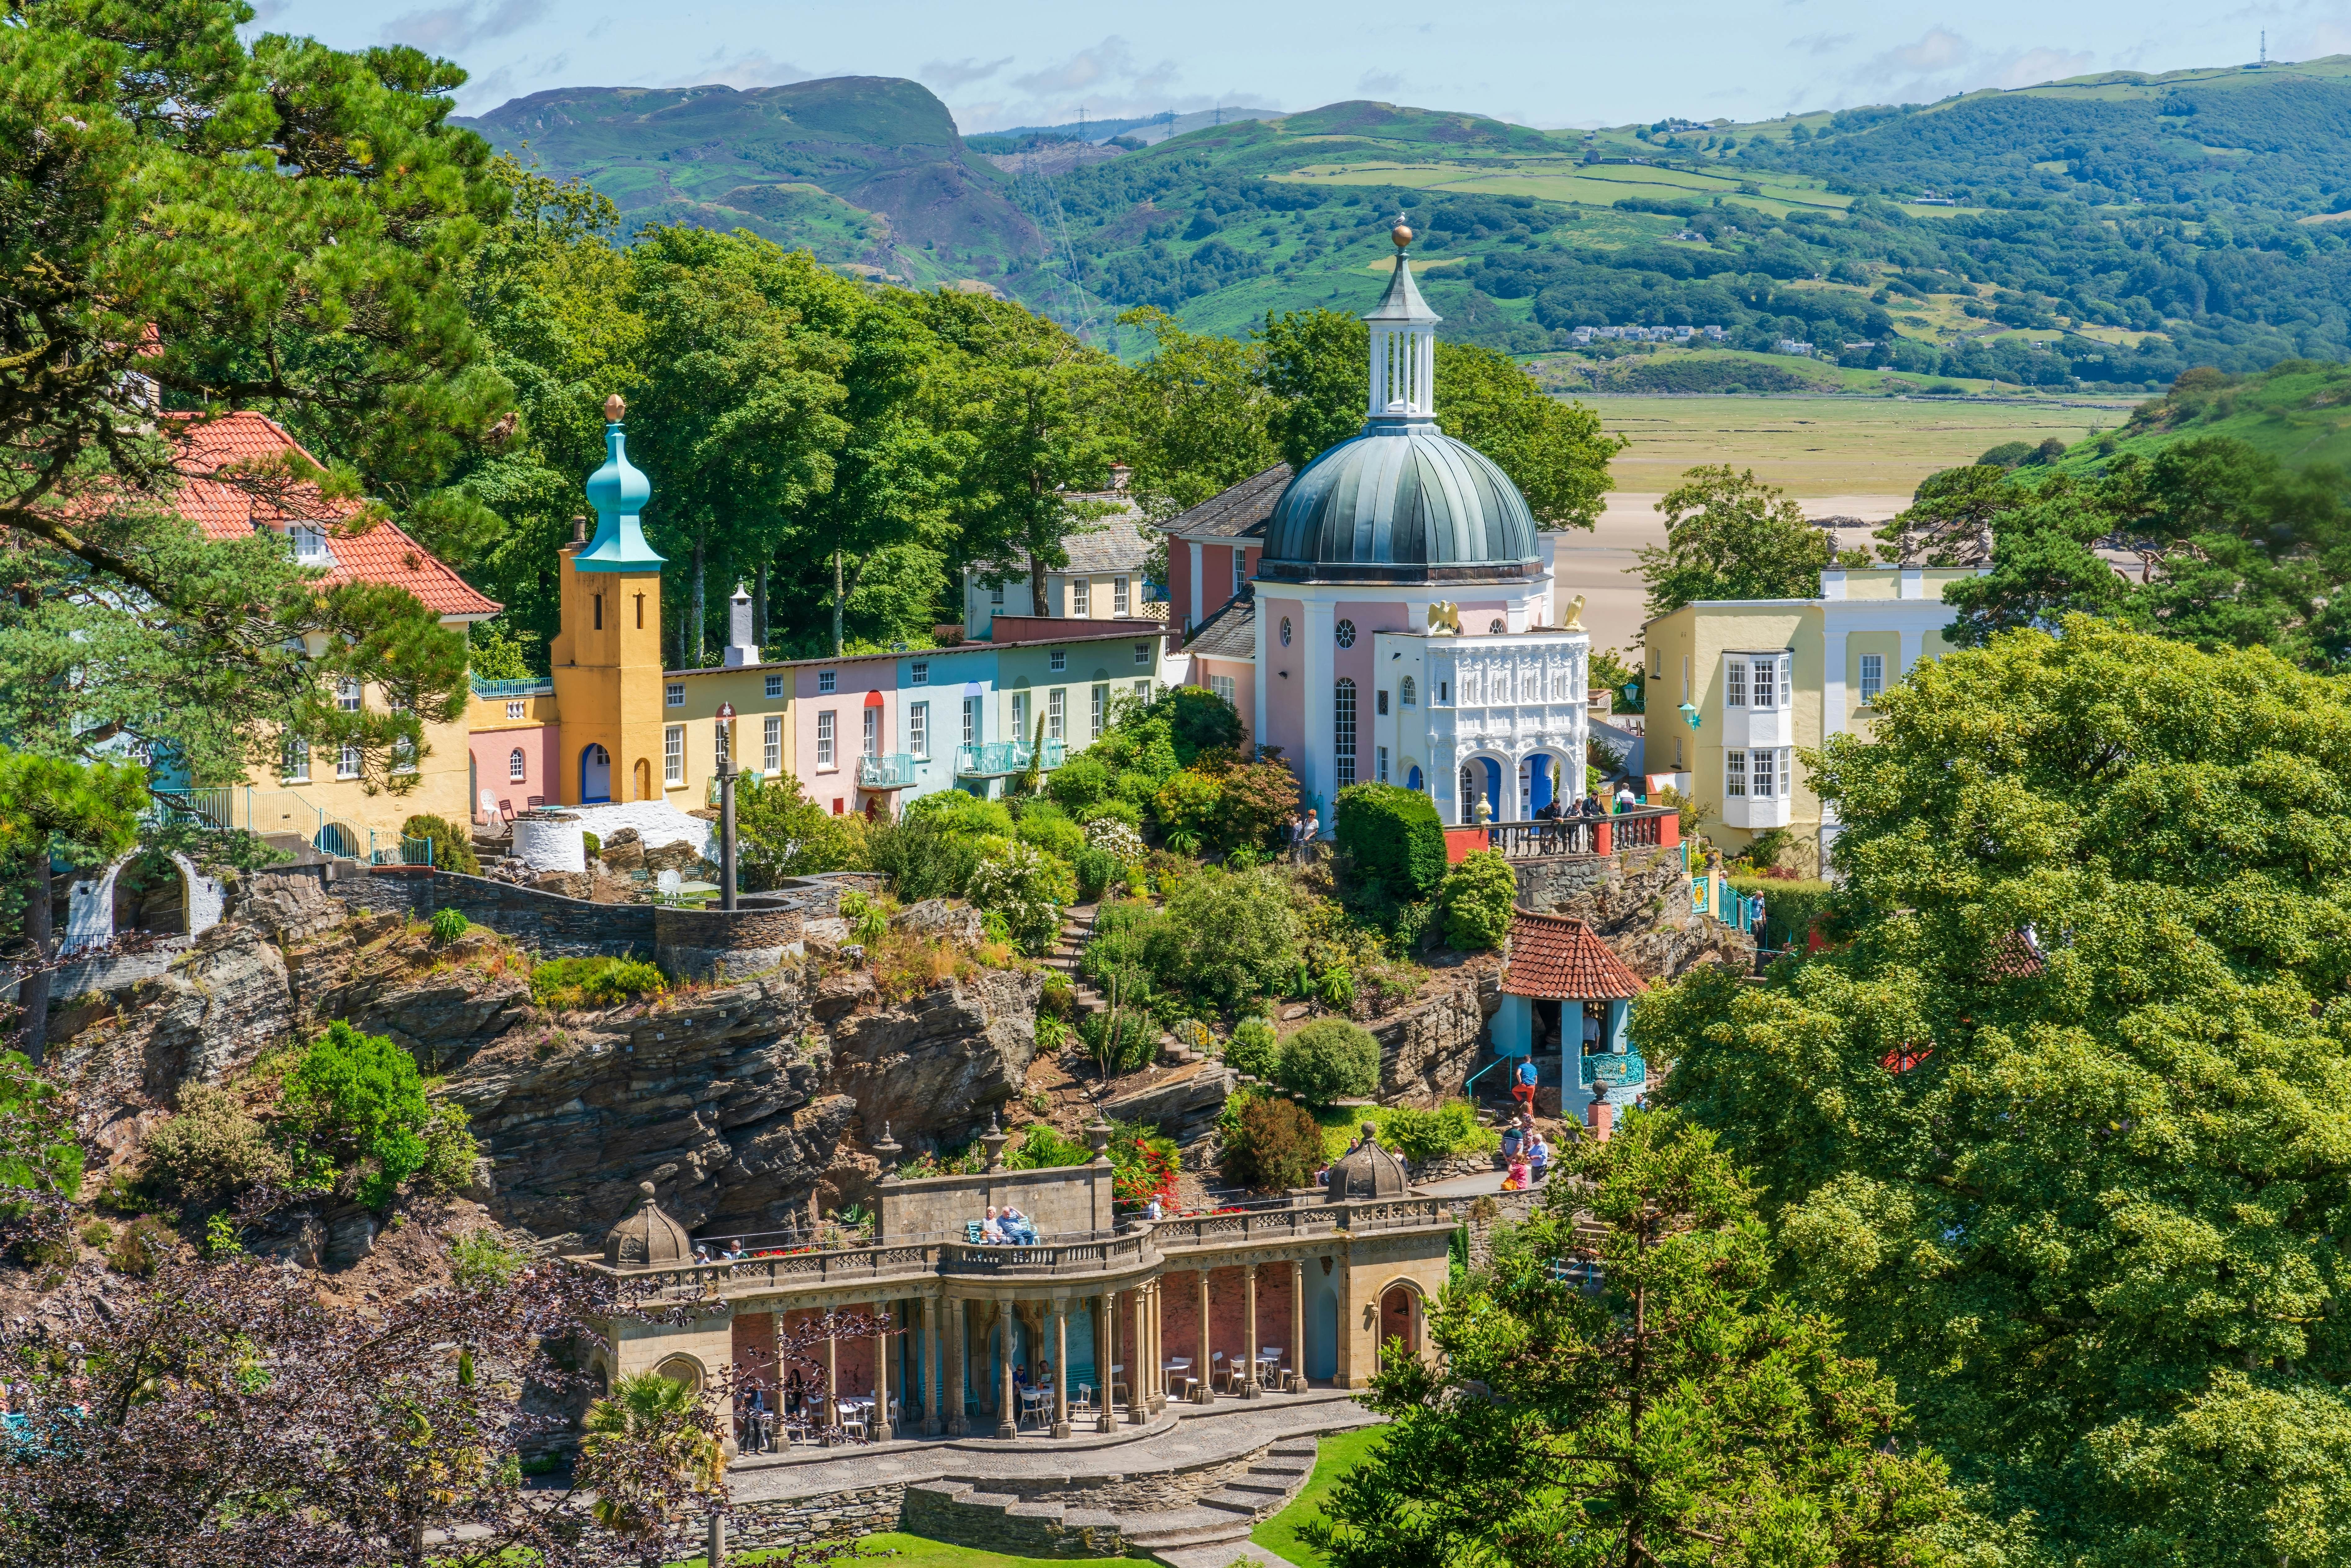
<point x="1337" y="1455"/>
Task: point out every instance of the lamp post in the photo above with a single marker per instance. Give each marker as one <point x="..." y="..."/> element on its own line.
<point x="725" y="808"/>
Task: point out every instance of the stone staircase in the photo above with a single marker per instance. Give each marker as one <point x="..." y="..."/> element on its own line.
<point x="1208" y="1531"/>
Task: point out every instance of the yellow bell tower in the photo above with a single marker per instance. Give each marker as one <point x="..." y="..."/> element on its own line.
<point x="606" y="660"/>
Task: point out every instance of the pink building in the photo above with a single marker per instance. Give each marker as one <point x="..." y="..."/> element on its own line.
<point x="844" y="711"/>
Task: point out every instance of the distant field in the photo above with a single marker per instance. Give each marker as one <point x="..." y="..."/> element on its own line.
<point x="1832" y="446"/>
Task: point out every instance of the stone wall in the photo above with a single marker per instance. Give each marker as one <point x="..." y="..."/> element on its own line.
<point x="713" y="944"/>
<point x="959" y="1514"/>
<point x="547" y="924"/>
<point x="1160" y="1493"/>
<point x="1428" y="1049"/>
<point x="835" y="1516"/>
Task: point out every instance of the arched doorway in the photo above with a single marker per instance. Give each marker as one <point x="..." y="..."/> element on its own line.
<point x="1480" y="776"/>
<point x="1536" y="786"/>
<point x="595" y="775"/>
<point x="1412" y="777"/>
<point x="645" y="779"/>
<point x="1399" y="1320"/>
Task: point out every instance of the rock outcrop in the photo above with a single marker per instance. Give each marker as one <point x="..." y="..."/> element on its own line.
<point x="1427" y="1049"/>
<point x="1639" y="904"/>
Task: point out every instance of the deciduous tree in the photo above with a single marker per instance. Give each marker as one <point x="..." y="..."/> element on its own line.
<point x="1730" y="536"/>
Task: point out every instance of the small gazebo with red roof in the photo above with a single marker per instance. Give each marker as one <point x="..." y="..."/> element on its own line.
<point x="1557" y="959"/>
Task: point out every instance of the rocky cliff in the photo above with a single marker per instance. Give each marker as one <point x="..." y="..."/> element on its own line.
<point x="747" y="1105"/>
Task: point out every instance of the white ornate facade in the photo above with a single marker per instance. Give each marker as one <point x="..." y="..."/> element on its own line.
<point x="1503" y="715"/>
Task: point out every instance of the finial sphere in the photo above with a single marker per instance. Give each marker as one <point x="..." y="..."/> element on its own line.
<point x="614" y="407"/>
<point x="1401" y="235"/>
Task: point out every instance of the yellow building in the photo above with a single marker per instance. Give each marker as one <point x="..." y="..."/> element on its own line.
<point x="1736" y="687"/>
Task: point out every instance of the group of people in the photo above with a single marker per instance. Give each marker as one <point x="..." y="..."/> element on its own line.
<point x="757" y="1416"/>
<point x="1006" y="1227"/>
<point x="1304" y="829"/>
<point x="1526" y="1153"/>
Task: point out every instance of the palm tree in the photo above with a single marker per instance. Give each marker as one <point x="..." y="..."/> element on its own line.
<point x="648" y="1448"/>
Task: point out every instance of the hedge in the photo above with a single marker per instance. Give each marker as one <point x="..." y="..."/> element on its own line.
<point x="1790" y="907"/>
<point x="1393" y="836"/>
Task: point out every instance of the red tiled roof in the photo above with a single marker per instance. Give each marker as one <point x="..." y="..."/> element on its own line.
<point x="226" y="511"/>
<point x="1554" y="956"/>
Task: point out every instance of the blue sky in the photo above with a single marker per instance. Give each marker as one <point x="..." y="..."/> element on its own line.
<point x="1548" y="65"/>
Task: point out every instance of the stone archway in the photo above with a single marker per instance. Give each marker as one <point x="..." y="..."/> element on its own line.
<point x="94" y="918"/>
<point x="1400" y="1318"/>
<point x="682" y="1368"/>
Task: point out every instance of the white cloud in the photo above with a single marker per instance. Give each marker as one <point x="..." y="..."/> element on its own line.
<point x="745" y="69"/>
<point x="946" y="76"/>
<point x="1379" y="84"/>
<point x="451" y="29"/>
<point x="1942" y="62"/>
<point x="1105" y="81"/>
<point x="2034" y="67"/>
<point x="1820" y="43"/>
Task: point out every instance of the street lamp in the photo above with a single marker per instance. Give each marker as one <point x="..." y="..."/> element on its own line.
<point x="725" y="808"/>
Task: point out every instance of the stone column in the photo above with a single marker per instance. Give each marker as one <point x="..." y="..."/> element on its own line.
<point x="1202" y="1391"/>
<point x="1298" y="1321"/>
<point x="1138" y="1385"/>
<point x="1158" y="1355"/>
<point x="932" y="1414"/>
<point x="958" y="1373"/>
<point x="1106" y="1353"/>
<point x="1007" y="1412"/>
<point x="1061" y="1367"/>
<point x="832" y="1377"/>
<point x="880" y="1430"/>
<point x="1250" y="1390"/>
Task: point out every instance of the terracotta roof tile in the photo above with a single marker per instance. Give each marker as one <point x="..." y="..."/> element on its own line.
<point x="1552" y="955"/>
<point x="383" y="554"/>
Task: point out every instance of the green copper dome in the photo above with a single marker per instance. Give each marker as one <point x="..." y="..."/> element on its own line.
<point x="1401" y="503"/>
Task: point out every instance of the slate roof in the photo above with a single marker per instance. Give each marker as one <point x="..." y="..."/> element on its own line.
<point x="225" y="510"/>
<point x="1110" y="545"/>
<point x="1231" y="632"/>
<point x="1555" y="957"/>
<point x="1241" y="509"/>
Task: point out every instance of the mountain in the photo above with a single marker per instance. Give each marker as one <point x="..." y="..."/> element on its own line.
<point x="2103" y="232"/>
<point x="2297" y="411"/>
<point x="865" y="171"/>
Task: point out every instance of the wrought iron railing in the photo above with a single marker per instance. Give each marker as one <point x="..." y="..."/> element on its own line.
<point x="999" y="757"/>
<point x="1535" y="840"/>
<point x="541" y="686"/>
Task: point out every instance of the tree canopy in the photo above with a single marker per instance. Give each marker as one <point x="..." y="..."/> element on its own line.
<point x="1730" y="536"/>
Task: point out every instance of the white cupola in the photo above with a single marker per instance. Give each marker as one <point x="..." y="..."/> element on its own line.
<point x="1404" y="344"/>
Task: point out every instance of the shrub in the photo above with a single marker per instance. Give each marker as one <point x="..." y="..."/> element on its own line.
<point x="1394" y="837"/>
<point x="144" y="1243"/>
<point x="1271" y="1145"/>
<point x="1791" y="906"/>
<point x="481" y="1258"/>
<point x="1424" y="1135"/>
<point x="1118" y="839"/>
<point x="1042" y="1148"/>
<point x="450" y="1150"/>
<point x="1125" y="812"/>
<point x="1227" y="936"/>
<point x="565" y="983"/>
<point x="1096" y="870"/>
<point x="924" y="855"/>
<point x="1130" y="1047"/>
<point x="1190" y="803"/>
<point x="1048" y="827"/>
<point x="1079" y="782"/>
<point x="448" y="924"/>
<point x="97" y="1233"/>
<point x="1025" y="886"/>
<point x="1255" y="1049"/>
<point x="780" y="832"/>
<point x="210" y="1152"/>
<point x="356" y="1104"/>
<point x="591" y="845"/>
<point x="1199" y="720"/>
<point x="1475" y="901"/>
<point x="40" y="1162"/>
<point x="453" y="847"/>
<point x="1144" y="1164"/>
<point x="1331" y="1059"/>
<point x="1259" y="797"/>
<point x="1136" y="787"/>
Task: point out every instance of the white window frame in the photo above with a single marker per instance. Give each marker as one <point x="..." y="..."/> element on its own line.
<point x="1143" y="691"/>
<point x="825" y="722"/>
<point x="1057" y="714"/>
<point x="674" y="693"/>
<point x="1019" y="719"/>
<point x="347" y="761"/>
<point x="1240" y="570"/>
<point x="1118" y="596"/>
<point x="1143" y="653"/>
<point x="918" y="729"/>
<point x="1343" y="731"/>
<point x="1734" y="683"/>
<point x="1384" y="764"/>
<point x="1763" y="781"/>
<point x="1767" y="685"/>
<point x="772" y="744"/>
<point x="774" y="685"/>
<point x="996" y="596"/>
<point x="296" y="767"/>
<point x="309" y="542"/>
<point x="1873" y="678"/>
<point x="868" y="731"/>
<point x="1407" y="693"/>
<point x="347" y="695"/>
<point x="1100" y="702"/>
<point x="1734" y="773"/>
<point x="1226" y="688"/>
<point x="920" y="674"/>
<point x="1081" y="596"/>
<point x="673" y="754"/>
<point x="517" y="766"/>
<point x="971" y="721"/>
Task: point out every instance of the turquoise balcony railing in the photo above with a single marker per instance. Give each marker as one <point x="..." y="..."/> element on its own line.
<point x="1000" y="757"/>
<point x="1615" y="1071"/>
<point x="890" y="770"/>
<point x="495" y="689"/>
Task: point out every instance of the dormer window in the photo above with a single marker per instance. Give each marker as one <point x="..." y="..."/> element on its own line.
<point x="310" y="544"/>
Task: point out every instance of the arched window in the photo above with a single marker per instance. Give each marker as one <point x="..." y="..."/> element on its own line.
<point x="1411" y="693"/>
<point x="516" y="770"/>
<point x="1343" y="726"/>
<point x="1471" y="788"/>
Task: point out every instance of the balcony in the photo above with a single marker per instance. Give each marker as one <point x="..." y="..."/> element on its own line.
<point x="494" y="690"/>
<point x="890" y="771"/>
<point x="1644" y="827"/>
<point x="999" y="758"/>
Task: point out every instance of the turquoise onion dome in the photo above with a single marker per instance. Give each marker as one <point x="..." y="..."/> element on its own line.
<point x="1403" y="502"/>
<point x="619" y="492"/>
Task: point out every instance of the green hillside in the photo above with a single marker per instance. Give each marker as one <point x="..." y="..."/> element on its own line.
<point x="2298" y="411"/>
<point x="2103" y="235"/>
<point x="860" y="169"/>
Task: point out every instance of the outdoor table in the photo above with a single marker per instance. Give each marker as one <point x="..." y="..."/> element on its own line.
<point x="1179" y="1367"/>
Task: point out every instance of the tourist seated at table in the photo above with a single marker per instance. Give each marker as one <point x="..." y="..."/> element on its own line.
<point x="1044" y="1374"/>
<point x="991" y="1229"/>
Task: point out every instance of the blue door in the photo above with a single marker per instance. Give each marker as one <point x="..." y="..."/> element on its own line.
<point x="1323" y="1331"/>
<point x="595" y="776"/>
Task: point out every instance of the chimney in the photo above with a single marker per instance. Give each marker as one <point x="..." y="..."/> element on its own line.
<point x="740" y="648"/>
